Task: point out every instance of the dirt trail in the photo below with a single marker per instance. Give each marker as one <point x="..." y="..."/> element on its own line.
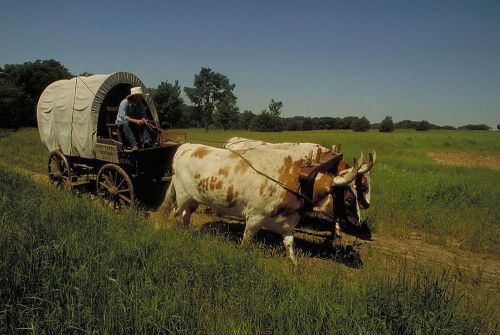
<point x="480" y="159"/>
<point x="469" y="268"/>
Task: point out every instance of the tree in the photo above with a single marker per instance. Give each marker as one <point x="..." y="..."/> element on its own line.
<point x="269" y="120"/>
<point x="20" y="88"/>
<point x="307" y="124"/>
<point x="246" y="119"/>
<point x="210" y="88"/>
<point x="361" y="124"/>
<point x="406" y="124"/>
<point x="475" y="127"/>
<point x="168" y="102"/>
<point x="387" y="125"/>
<point x="344" y="123"/>
<point x="498" y="126"/>
<point x="187" y="119"/>
<point x="12" y="105"/>
<point x="86" y="74"/>
<point x="293" y="123"/>
<point x="275" y="108"/>
<point x="423" y="125"/>
<point x="226" y="113"/>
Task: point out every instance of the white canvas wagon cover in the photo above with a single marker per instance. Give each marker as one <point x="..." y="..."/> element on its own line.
<point x="68" y="111"/>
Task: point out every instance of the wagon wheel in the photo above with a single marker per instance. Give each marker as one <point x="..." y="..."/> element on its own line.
<point x="115" y="188"/>
<point x="59" y="170"/>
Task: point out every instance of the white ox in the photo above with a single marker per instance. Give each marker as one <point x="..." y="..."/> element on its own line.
<point x="222" y="180"/>
<point x="308" y="151"/>
<point x="360" y="190"/>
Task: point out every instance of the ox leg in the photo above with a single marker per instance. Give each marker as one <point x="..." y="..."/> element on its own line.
<point x="288" y="242"/>
<point x="252" y="226"/>
<point x="185" y="210"/>
<point x="288" y="231"/>
<point x="338" y="231"/>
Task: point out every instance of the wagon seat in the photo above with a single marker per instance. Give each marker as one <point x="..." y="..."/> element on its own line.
<point x="109" y="109"/>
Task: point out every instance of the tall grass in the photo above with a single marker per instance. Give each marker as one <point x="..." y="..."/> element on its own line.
<point x="69" y="266"/>
<point x="448" y="205"/>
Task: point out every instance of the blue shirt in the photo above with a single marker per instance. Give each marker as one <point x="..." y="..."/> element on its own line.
<point x="128" y="109"/>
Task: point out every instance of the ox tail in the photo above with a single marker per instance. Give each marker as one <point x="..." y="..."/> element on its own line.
<point x="167" y="205"/>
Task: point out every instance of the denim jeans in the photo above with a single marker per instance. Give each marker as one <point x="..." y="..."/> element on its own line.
<point x="125" y="126"/>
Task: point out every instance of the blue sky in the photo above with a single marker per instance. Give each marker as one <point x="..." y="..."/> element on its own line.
<point x="434" y="60"/>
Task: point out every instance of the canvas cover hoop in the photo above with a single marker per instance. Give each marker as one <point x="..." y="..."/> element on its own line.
<point x="68" y="111"/>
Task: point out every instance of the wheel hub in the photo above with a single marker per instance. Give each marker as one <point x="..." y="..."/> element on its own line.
<point x="113" y="190"/>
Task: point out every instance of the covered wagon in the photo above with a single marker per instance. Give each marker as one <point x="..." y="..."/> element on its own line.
<point x="76" y="121"/>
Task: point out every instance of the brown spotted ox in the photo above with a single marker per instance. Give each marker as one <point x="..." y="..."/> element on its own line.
<point x="230" y="185"/>
<point x="348" y="200"/>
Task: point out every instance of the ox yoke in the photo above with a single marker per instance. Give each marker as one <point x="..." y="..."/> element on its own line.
<point x="325" y="163"/>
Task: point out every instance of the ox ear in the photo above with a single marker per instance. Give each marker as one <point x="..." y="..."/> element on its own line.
<point x="367" y="167"/>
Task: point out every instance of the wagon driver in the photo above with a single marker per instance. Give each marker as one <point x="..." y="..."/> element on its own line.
<point x="132" y="113"/>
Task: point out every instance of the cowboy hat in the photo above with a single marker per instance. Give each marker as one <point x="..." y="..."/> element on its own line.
<point x="136" y="91"/>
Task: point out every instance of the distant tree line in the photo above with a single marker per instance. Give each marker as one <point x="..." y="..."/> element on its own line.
<point x="212" y="104"/>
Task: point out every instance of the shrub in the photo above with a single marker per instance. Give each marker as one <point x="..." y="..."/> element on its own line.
<point x="448" y="128"/>
<point x="361" y="124"/>
<point x="387" y="125"/>
<point x="475" y="127"/>
<point x="423" y="126"/>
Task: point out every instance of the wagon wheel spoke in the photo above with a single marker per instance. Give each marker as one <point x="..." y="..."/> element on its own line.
<point x="125" y="198"/>
<point x="118" y="181"/>
<point x="104" y="185"/>
<point x="110" y="174"/>
<point x="62" y="168"/>
<point x="124" y="191"/>
<point x="108" y="181"/>
<point x="121" y="183"/>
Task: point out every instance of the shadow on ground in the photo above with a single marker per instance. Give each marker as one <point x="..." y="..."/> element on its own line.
<point x="326" y="249"/>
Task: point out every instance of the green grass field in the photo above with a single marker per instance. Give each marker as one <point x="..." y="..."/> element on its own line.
<point x="452" y="205"/>
<point x="447" y="205"/>
<point x="71" y="266"/>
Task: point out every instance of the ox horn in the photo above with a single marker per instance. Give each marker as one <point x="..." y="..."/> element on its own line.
<point x="368" y="166"/>
<point x="348" y="175"/>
